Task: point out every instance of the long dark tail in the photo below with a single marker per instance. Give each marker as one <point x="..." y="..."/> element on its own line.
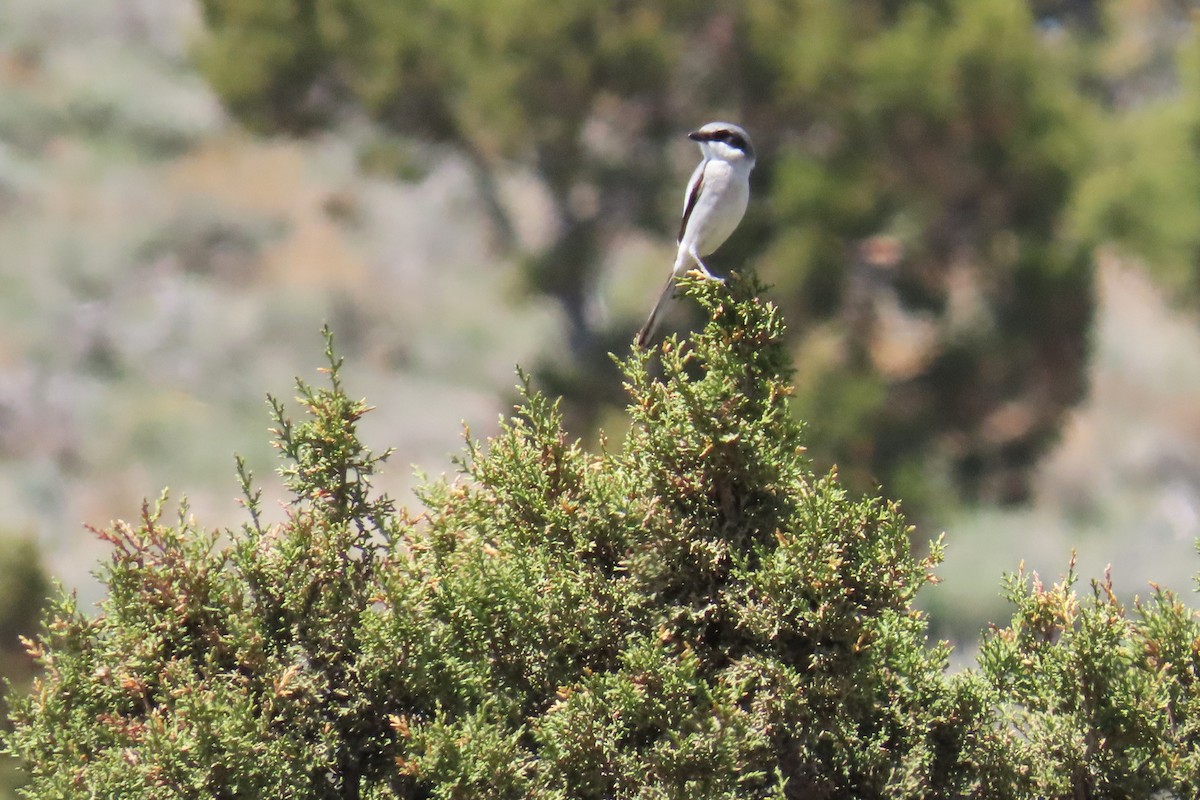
<point x="648" y="329"/>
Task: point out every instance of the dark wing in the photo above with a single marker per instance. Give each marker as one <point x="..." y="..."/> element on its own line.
<point x="695" y="186"/>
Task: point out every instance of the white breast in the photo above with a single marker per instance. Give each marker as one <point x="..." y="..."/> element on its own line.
<point x="720" y="207"/>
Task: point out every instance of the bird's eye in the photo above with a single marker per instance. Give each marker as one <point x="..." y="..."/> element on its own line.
<point x="736" y="141"/>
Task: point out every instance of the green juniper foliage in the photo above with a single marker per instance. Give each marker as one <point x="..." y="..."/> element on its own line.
<point x="694" y="615"/>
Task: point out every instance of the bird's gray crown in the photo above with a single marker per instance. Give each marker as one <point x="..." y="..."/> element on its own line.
<point x="733" y="135"/>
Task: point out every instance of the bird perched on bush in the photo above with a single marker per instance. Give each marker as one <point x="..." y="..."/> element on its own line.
<point x="713" y="206"/>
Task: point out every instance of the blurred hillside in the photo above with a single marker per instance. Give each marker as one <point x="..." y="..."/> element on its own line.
<point x="162" y="271"/>
<point x="162" y="268"/>
<point x="1121" y="489"/>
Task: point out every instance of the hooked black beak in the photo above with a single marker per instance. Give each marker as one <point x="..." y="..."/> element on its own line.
<point x="698" y="136"/>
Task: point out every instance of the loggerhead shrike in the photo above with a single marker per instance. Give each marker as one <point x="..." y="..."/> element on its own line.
<point x="713" y="206"/>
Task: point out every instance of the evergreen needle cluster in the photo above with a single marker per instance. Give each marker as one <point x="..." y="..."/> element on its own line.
<point x="692" y="615"/>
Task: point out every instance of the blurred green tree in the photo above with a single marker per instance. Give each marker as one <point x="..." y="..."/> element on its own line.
<point x="916" y="160"/>
<point x="24" y="588"/>
<point x="1143" y="193"/>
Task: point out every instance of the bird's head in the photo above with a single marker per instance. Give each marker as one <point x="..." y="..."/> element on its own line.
<point x="725" y="141"/>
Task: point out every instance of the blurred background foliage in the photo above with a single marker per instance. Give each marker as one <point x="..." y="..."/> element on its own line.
<point x="918" y="160"/>
<point x="978" y="215"/>
<point x="24" y="588"/>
